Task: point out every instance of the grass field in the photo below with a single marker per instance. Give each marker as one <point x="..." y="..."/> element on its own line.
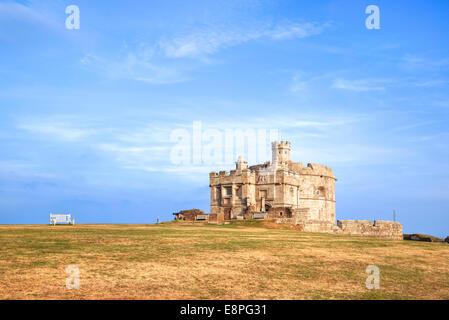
<point x="236" y="261"/>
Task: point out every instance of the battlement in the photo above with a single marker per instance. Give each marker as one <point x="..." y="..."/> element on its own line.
<point x="281" y="160"/>
<point x="281" y="144"/>
<point x="230" y="173"/>
<point x="259" y="167"/>
<point x="280" y="152"/>
<point x="317" y="169"/>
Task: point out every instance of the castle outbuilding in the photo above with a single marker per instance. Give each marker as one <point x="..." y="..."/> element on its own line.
<point x="286" y="192"/>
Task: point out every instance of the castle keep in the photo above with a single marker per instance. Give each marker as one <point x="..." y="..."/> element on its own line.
<point x="274" y="189"/>
<point x="286" y="192"/>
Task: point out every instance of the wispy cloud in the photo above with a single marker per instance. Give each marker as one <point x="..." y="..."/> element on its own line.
<point x="442" y="103"/>
<point x="343" y="80"/>
<point x="429" y="83"/>
<point x="301" y="81"/>
<point x="210" y="40"/>
<point x="442" y="136"/>
<point x="62" y="128"/>
<point x="22" y="169"/>
<point x="148" y="149"/>
<point x="134" y="151"/>
<point x="134" y="66"/>
<point x="161" y="63"/>
<point x="359" y="85"/>
<point x="33" y="12"/>
<point x="417" y="63"/>
<point x="57" y="130"/>
<point x="413" y="126"/>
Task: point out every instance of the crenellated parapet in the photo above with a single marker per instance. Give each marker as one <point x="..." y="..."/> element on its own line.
<point x="317" y="170"/>
<point x="284" y="144"/>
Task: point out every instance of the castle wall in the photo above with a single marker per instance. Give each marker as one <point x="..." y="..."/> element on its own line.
<point x="319" y="210"/>
<point x="275" y="213"/>
<point x="217" y="218"/>
<point x="363" y="228"/>
<point x="317" y="226"/>
<point x="380" y="229"/>
<point x="317" y="193"/>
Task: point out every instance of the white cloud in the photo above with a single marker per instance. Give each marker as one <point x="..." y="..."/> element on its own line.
<point x="418" y="63"/>
<point x="57" y="130"/>
<point x="22" y="169"/>
<point x="301" y="81"/>
<point x="442" y="103"/>
<point x="359" y="85"/>
<point x="315" y="137"/>
<point x="413" y="125"/>
<point x="429" y="83"/>
<point x="441" y="137"/>
<point x="161" y="63"/>
<point x="210" y="40"/>
<point x="137" y="66"/>
<point x="35" y="13"/>
<point x="135" y="156"/>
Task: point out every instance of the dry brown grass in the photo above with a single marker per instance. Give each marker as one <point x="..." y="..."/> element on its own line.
<point x="175" y="261"/>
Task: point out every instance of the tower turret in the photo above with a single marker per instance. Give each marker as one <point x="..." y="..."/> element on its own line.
<point x="280" y="152"/>
<point x="241" y="163"/>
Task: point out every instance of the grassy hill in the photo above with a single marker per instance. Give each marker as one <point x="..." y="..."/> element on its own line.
<point x="244" y="260"/>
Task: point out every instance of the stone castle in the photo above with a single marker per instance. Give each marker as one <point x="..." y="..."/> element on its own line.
<point x="287" y="192"/>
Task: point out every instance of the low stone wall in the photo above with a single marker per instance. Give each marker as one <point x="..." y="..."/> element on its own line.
<point x="301" y="219"/>
<point x="380" y="229"/>
<point x="285" y="220"/>
<point x="317" y="226"/>
<point x="274" y="213"/>
<point x="301" y="214"/>
<point x="363" y="228"/>
<point x="309" y="226"/>
<point x="216" y="218"/>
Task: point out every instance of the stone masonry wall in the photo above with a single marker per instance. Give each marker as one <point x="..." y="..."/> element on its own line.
<point x="380" y="229"/>
<point x="363" y="228"/>
<point x="216" y="218"/>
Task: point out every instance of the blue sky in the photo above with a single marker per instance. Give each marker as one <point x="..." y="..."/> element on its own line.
<point x="87" y="116"/>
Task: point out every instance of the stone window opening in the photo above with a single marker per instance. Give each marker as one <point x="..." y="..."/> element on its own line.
<point x="320" y="191"/>
<point x="217" y="193"/>
<point x="239" y="192"/>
